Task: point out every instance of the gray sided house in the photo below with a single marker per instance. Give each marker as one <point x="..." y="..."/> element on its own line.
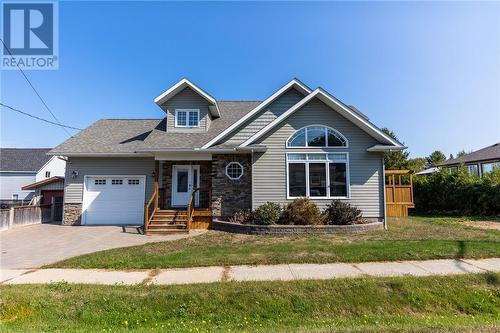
<point x="218" y="157"/>
<point x="18" y="167"/>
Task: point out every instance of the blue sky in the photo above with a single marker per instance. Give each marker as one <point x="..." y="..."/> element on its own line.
<point x="429" y="71"/>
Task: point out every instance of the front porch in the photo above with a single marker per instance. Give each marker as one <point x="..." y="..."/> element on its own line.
<point x="188" y="193"/>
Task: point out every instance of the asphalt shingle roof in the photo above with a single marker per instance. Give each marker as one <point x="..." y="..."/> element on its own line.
<point x="488" y="153"/>
<point x="23" y="159"/>
<point x="131" y="135"/>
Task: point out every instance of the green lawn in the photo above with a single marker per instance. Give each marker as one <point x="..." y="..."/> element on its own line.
<point x="454" y="303"/>
<point x="407" y="239"/>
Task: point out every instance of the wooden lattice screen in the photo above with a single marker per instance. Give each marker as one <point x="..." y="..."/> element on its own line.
<point x="398" y="192"/>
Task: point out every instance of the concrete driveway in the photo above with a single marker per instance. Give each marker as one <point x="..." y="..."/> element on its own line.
<point x="37" y="245"/>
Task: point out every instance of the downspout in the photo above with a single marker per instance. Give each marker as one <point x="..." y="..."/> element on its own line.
<point x="383" y="200"/>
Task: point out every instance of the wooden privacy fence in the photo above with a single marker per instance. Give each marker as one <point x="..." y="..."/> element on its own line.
<point x="398" y="192"/>
<point x="25" y="215"/>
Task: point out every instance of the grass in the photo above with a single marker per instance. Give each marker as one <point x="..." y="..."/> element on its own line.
<point x="407" y="239"/>
<point x="451" y="303"/>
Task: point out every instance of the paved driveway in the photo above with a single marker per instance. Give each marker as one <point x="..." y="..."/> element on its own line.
<point x="37" y="245"/>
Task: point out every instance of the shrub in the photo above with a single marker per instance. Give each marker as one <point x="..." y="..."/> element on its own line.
<point x="342" y="213"/>
<point x="301" y="211"/>
<point x="458" y="193"/>
<point x="268" y="213"/>
<point x="241" y="217"/>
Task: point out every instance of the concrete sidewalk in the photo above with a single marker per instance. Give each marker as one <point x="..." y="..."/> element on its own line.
<point x="250" y="273"/>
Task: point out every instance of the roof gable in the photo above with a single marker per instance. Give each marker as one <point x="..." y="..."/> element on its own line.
<point x="183" y="84"/>
<point x="335" y="105"/>
<point x="295" y="83"/>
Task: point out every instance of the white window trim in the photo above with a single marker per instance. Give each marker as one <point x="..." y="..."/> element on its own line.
<point x="327" y="161"/>
<point x="326" y="138"/>
<point x="242" y="170"/>
<point x="187" y="117"/>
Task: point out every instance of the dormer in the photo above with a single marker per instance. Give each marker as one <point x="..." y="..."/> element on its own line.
<point x="188" y="107"/>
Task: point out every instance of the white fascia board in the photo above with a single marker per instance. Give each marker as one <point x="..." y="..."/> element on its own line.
<point x="383" y="148"/>
<point x="334" y="104"/>
<point x="179" y="86"/>
<point x="139" y="154"/>
<point x="293" y="83"/>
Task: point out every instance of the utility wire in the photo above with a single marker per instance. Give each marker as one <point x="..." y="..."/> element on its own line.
<point x="36" y="92"/>
<point x="38" y="118"/>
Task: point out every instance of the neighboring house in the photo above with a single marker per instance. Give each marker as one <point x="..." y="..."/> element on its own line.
<point x="478" y="162"/>
<point x="18" y="167"/>
<point x="298" y="142"/>
<point x="49" y="182"/>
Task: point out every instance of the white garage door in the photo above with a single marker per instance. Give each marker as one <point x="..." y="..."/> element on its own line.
<point x="114" y="200"/>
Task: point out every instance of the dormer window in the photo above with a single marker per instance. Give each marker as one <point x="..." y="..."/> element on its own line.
<point x="47" y="174"/>
<point x="187" y="118"/>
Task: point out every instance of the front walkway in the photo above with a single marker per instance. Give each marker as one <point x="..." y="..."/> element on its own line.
<point x="251" y="273"/>
<point x="36" y="245"/>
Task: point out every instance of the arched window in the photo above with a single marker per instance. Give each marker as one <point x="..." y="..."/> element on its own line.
<point x="317" y="137"/>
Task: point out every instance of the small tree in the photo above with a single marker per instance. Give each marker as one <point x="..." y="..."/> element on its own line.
<point x="416" y="164"/>
<point x="435" y="159"/>
<point x="395" y="159"/>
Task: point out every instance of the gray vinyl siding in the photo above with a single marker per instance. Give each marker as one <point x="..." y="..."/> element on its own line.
<point x="12" y="182"/>
<point x="265" y="116"/>
<point x="96" y="166"/>
<point x="269" y="168"/>
<point x="187" y="99"/>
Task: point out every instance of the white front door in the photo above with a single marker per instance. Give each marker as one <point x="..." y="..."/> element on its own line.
<point x="184" y="179"/>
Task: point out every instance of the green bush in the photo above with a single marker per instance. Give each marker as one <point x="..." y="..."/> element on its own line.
<point x="268" y="213"/>
<point x="458" y="193"/>
<point x="341" y="213"/>
<point x="301" y="211"/>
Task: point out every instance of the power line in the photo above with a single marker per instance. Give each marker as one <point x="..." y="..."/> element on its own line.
<point x="38" y="118"/>
<point x="36" y="92"/>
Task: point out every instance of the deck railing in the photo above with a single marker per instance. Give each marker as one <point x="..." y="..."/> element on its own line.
<point x="200" y="198"/>
<point x="151" y="207"/>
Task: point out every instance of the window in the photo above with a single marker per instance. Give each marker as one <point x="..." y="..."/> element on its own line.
<point x="116" y="181"/>
<point x="318" y="175"/>
<point x="15" y="196"/>
<point x="133" y="181"/>
<point x="234" y="170"/>
<point x="316" y="136"/>
<point x="47" y="174"/>
<point x="100" y="182"/>
<point x="489" y="167"/>
<point x="187" y="118"/>
<point x="473" y="170"/>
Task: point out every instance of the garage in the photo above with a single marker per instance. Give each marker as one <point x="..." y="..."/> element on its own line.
<point x="113" y="200"/>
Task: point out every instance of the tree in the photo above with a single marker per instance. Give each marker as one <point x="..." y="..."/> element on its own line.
<point x="395" y="159"/>
<point x="462" y="153"/>
<point x="416" y="164"/>
<point x="435" y="159"/>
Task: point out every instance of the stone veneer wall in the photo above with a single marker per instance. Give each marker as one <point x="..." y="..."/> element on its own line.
<point x="253" y="229"/>
<point x="228" y="195"/>
<point x="72" y="214"/>
<point x="166" y="186"/>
